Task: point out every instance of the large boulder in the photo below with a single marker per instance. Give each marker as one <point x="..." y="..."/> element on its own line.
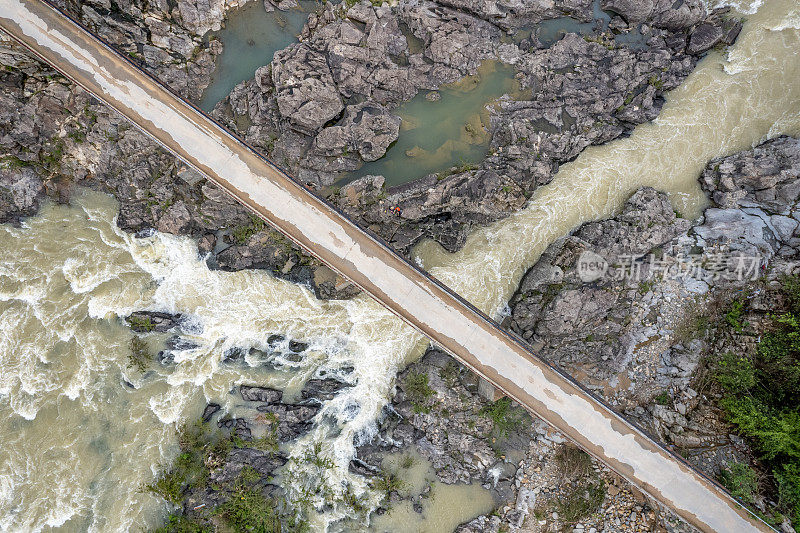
<point x="703" y="38"/>
<point x="306" y="93"/>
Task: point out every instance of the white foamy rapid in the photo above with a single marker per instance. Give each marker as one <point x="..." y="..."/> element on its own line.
<point x="80" y="432"/>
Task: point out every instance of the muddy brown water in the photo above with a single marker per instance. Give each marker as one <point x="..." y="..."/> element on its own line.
<point x="80" y="432"/>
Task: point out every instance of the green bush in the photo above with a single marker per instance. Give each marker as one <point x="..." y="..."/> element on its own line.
<point x="734" y="316"/>
<point x="787" y="477"/>
<point x="663" y="398"/>
<point x="181" y="524"/>
<point x="735" y="373"/>
<point x="581" y="501"/>
<point x="761" y="398"/>
<point x="388" y="483"/>
<point x="242" y="234"/>
<point x="249" y="511"/>
<point x="139" y="356"/>
<point x="504" y="416"/>
<point x="418" y="390"/>
<point x="142" y="324"/>
<point x="741" y="480"/>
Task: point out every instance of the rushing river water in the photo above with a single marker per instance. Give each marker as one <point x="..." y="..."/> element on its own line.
<point x="80" y="432"/>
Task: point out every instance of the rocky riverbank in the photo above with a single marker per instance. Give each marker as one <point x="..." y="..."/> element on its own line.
<point x="324" y="106"/>
<point x="643" y="332"/>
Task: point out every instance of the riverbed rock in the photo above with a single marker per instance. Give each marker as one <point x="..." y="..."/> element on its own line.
<point x="260" y="394"/>
<point x="21" y="189"/>
<point x="703" y="38"/>
<point x="305" y="91"/>
<point x="767" y="176"/>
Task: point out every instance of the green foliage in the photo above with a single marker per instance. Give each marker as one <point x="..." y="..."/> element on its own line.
<point x="656" y="82"/>
<point x="741" y="480"/>
<point x="50" y="157"/>
<point x="735" y="373"/>
<point x="242" y="234"/>
<point x="387" y="483"/>
<point x="504" y="416"/>
<point x="581" y="501"/>
<point x="418" y="390"/>
<point x="734" y="316"/>
<point x="449" y="373"/>
<point x="775" y="431"/>
<point x="787" y="477"/>
<point x="246" y="509"/>
<point x="463" y="167"/>
<point x="141" y="323"/>
<point x="189" y="468"/>
<point x="315" y="456"/>
<point x="761" y="398"/>
<point x="181" y="524"/>
<point x="249" y="511"/>
<point x="139" y="356"/>
<point x="663" y="399"/>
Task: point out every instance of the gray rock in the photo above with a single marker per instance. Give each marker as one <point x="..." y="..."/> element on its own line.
<point x="260" y="394"/>
<point x="305" y="91"/>
<point x="703" y="38"/>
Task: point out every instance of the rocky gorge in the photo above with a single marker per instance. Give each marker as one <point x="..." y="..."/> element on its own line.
<point x="324" y="106"/>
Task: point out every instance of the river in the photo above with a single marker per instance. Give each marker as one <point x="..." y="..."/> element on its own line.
<point x="81" y="432"/>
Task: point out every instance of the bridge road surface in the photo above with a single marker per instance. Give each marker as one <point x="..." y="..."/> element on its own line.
<point x="421" y="301"/>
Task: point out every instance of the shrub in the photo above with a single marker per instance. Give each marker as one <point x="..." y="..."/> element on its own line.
<point x="735" y="373"/>
<point x="663" y="399"/>
<point x="142" y="324"/>
<point x="139" y="356"/>
<point x="787" y="478"/>
<point x="504" y="416"/>
<point x="388" y="483"/>
<point x="249" y="511"/>
<point x="418" y="390"/>
<point x="181" y="524"/>
<point x="741" y="480"/>
<point x="761" y="398"/>
<point x="734" y="316"/>
<point x="581" y="501"/>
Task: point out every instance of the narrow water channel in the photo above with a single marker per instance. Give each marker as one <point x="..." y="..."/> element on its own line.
<point x="80" y="431"/>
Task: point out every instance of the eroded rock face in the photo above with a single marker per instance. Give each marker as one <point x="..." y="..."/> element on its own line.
<point x="20" y="191"/>
<point x="376" y="57"/>
<point x="326" y="105"/>
<point x="304" y="87"/>
<point x="766" y="177"/>
<point x="166" y="38"/>
<point x="627" y="332"/>
<point x="366" y="129"/>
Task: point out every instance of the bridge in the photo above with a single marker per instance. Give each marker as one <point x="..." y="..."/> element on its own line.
<point x="424" y="303"/>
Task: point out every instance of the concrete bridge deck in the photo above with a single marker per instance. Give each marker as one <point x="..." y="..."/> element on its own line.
<point x="424" y="303"/>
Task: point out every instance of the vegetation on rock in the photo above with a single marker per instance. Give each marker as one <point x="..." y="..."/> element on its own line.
<point x="761" y="398"/>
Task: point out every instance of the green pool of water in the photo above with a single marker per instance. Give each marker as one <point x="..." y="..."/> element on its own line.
<point x="452" y="131"/>
<point x="553" y="30"/>
<point x="250" y="37"/>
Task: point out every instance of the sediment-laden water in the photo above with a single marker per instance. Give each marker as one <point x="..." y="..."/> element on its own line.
<point x="80" y="432"/>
